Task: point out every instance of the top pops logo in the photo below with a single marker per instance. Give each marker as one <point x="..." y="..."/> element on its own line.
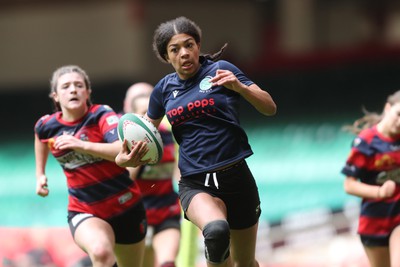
<point x="191" y="106"/>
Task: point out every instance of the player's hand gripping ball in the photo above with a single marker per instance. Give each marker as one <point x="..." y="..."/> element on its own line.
<point x="134" y="128"/>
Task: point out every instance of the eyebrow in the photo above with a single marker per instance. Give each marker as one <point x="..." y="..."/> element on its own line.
<point x="184" y="41"/>
<point x="74" y="82"/>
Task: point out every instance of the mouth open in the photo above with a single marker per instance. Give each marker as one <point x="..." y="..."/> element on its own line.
<point x="187" y="65"/>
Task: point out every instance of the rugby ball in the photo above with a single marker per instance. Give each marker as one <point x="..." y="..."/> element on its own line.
<point x="134" y="128"/>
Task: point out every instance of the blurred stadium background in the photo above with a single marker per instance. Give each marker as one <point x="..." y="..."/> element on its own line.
<point x="321" y="60"/>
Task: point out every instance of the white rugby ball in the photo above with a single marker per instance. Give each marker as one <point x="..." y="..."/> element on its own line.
<point x="134" y="128"/>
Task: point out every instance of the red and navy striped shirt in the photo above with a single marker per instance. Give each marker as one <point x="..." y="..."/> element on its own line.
<point x="95" y="185"/>
<point x="373" y="159"/>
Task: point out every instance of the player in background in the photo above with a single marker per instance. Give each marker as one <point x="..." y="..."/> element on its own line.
<point x="156" y="184"/>
<point x="105" y="210"/>
<point x="372" y="173"/>
<point x="217" y="190"/>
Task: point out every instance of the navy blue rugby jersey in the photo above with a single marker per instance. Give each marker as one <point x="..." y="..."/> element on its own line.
<point x="204" y="119"/>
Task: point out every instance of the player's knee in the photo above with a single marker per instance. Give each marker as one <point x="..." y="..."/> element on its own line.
<point x="216" y="240"/>
<point x="101" y="254"/>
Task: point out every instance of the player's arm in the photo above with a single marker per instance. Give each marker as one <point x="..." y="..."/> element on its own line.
<point x="354" y="187"/>
<point x="116" y="151"/>
<point x="41" y="155"/>
<point x="106" y="151"/>
<point x="176" y="174"/>
<point x="155" y="122"/>
<point x="257" y="97"/>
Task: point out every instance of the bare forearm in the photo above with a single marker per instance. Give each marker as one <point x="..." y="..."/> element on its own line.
<point x="356" y="188"/>
<point x="260" y="99"/>
<point x="41" y="155"/>
<point x="106" y="151"/>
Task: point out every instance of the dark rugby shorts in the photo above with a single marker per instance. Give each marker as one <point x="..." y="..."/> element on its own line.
<point x="234" y="185"/>
<point x="129" y="227"/>
<point x="375" y="241"/>
<point x="169" y="223"/>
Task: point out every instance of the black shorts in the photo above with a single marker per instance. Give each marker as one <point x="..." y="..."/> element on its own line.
<point x="129" y="227"/>
<point x="172" y="222"/>
<point x="235" y="186"/>
<point x="375" y="241"/>
<point x="169" y="223"/>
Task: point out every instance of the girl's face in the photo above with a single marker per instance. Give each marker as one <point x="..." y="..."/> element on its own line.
<point x="392" y="119"/>
<point x="183" y="54"/>
<point x="71" y="92"/>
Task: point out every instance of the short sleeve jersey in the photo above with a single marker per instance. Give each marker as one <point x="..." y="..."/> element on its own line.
<point x="204" y="118"/>
<point x="95" y="185"/>
<point x="373" y="159"/>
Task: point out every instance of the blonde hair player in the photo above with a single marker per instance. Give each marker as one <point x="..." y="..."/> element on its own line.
<point x="373" y="173"/>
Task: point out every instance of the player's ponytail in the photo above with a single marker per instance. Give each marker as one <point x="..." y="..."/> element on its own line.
<point x="368" y="120"/>
<point x="371" y="118"/>
<point x="217" y="55"/>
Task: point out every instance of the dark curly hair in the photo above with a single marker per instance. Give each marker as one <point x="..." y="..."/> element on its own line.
<point x="168" y="29"/>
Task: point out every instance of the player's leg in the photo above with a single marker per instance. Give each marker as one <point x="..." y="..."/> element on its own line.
<point x="130" y="230"/>
<point x="149" y="256"/>
<point x="209" y="215"/>
<point x="131" y="254"/>
<point x="244" y="212"/>
<point x="188" y="248"/>
<point x="378" y="256"/>
<point x="377" y="250"/>
<point x="96" y="237"/>
<point x="166" y="247"/>
<point x="394" y="247"/>
<point x="243" y="247"/>
<point x="204" y="208"/>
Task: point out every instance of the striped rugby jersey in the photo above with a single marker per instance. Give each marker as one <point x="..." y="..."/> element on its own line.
<point x="95" y="185"/>
<point x="373" y="159"/>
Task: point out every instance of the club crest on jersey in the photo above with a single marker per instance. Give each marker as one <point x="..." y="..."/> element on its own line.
<point x="112" y="119"/>
<point x="205" y="85"/>
<point x="84" y="137"/>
